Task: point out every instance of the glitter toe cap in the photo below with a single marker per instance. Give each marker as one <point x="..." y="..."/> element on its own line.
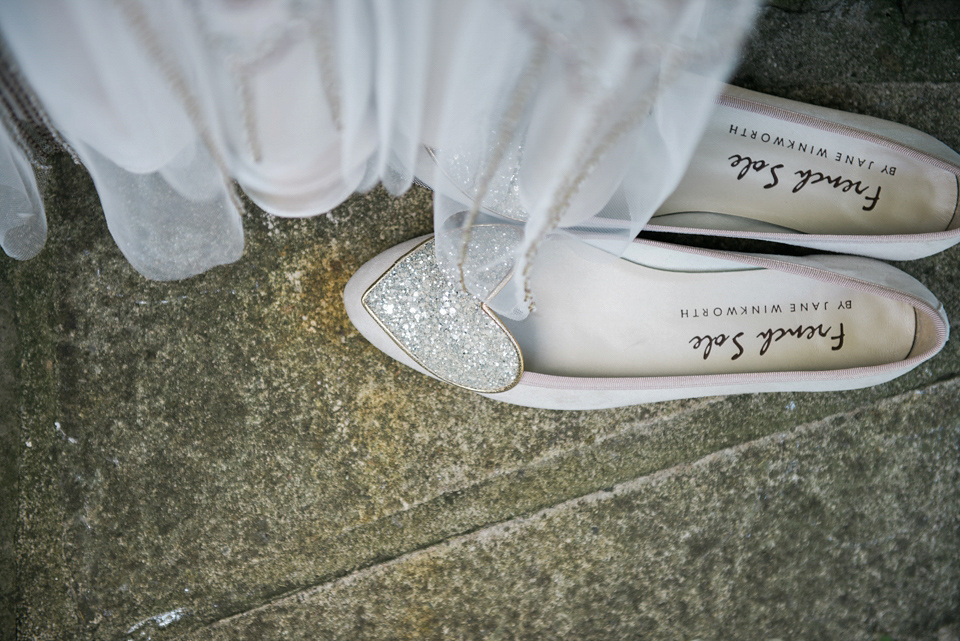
<point x="447" y="331"/>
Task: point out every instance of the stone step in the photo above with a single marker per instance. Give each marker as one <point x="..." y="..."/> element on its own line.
<point x="845" y="528"/>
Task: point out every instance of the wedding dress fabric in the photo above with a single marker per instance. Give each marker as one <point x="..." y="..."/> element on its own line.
<point x="556" y="116"/>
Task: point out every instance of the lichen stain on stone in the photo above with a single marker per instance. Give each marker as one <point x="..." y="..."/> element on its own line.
<point x="372" y="429"/>
<point x="308" y="303"/>
<point x="419" y="576"/>
<point x="388" y="441"/>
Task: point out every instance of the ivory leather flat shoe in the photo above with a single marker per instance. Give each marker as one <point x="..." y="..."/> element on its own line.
<point x="663" y="322"/>
<point x="773" y="169"/>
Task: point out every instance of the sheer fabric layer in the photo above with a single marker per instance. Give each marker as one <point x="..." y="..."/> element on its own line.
<point x="23" y="223"/>
<point x="569" y="118"/>
<point x="560" y="116"/>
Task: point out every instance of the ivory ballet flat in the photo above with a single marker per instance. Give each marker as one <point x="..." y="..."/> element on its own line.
<point x="664" y="322"/>
<point x="773" y="169"/>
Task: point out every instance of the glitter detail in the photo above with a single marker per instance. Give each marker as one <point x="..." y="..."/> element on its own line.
<point x="447" y="331"/>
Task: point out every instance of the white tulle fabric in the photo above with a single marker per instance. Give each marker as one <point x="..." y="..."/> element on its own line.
<point x="23" y="224"/>
<point x="559" y="116"/>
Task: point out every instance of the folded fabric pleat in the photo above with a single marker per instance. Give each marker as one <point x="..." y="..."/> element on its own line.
<point x="561" y="116"/>
<point x="23" y="224"/>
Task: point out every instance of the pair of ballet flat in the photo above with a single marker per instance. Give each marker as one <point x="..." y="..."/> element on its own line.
<point x="667" y="322"/>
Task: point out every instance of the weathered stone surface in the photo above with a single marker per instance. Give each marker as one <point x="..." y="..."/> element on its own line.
<point x="849" y="43"/>
<point x="216" y="443"/>
<point x="802" y="6"/>
<point x="204" y="445"/>
<point x="9" y="447"/>
<point x="229" y="445"/>
<point x="843" y="529"/>
<point x="917" y="10"/>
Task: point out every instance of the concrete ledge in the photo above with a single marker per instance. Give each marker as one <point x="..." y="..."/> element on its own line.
<point x="843" y="529"/>
<point x="9" y="459"/>
<point x="206" y="446"/>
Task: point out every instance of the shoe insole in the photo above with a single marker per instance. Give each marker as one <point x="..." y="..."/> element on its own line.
<point x="621" y="319"/>
<point x="804" y="179"/>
